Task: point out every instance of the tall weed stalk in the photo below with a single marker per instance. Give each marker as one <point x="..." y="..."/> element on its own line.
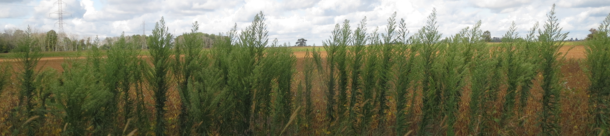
<point x="550" y="40"/>
<point x="29" y="55"/>
<point x="191" y="47"/>
<point x="598" y="69"/>
<point x="426" y="41"/>
<point x="159" y="47"/>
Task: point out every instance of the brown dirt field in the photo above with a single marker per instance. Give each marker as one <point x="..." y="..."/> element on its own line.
<point x="575" y="52"/>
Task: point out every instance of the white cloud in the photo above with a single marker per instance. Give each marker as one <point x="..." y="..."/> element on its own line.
<point x="499" y="4"/>
<point x="14" y="8"/>
<point x="289" y="20"/>
<point x="583" y="3"/>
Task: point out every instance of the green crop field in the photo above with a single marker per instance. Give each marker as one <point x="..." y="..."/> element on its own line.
<point x="390" y="82"/>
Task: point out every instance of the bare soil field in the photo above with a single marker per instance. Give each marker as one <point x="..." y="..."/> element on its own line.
<point x="573" y="52"/>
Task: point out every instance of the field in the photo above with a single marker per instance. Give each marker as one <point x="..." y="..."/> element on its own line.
<point x="358" y="83"/>
<point x="576" y="52"/>
<point x="572" y="71"/>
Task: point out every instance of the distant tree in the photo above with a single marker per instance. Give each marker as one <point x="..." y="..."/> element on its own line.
<point x="301" y="42"/>
<point x="88" y="44"/>
<point x="67" y="43"/>
<point x="593" y="31"/>
<point x="487" y="36"/>
<point x="4" y="44"/>
<point x="81" y="45"/>
<point x="19" y="34"/>
<point x="96" y="42"/>
<point x="75" y="45"/>
<point x="107" y="43"/>
<point x="50" y="41"/>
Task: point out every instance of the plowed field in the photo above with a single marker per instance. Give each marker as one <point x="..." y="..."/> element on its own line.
<point x="577" y="52"/>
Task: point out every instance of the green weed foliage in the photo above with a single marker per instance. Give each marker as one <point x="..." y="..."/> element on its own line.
<point x="381" y="82"/>
<point x="598" y="60"/>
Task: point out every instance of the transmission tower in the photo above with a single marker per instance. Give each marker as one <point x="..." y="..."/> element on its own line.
<point x="60" y="17"/>
<point x="60" y="21"/>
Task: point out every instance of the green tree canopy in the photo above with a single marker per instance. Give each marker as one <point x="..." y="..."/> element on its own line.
<point x="50" y="42"/>
<point x="486" y="36"/>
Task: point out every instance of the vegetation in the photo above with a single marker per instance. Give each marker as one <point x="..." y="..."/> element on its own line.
<point x="598" y="62"/>
<point x="29" y="56"/>
<point x="384" y="82"/>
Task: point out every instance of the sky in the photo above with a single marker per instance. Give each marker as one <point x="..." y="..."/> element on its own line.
<point x="289" y="20"/>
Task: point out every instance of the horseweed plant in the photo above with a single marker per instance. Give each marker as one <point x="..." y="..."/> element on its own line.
<point x="369" y="83"/>
<point x="598" y="67"/>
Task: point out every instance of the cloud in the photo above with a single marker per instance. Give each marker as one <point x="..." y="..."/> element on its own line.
<point x="288" y="20"/>
<point x="50" y="9"/>
<point x="114" y="10"/>
<point x="299" y="4"/>
<point x="195" y="7"/>
<point x="600" y="12"/>
<point x="339" y="7"/>
<point x="10" y="1"/>
<point x="14" y="8"/>
<point x="584" y="3"/>
<point x="499" y="5"/>
<point x="11" y="12"/>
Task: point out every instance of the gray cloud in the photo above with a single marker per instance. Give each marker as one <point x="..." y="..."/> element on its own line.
<point x="340" y="7"/>
<point x="289" y="20"/>
<point x="10" y="1"/>
<point x="600" y="12"/>
<point x="583" y="3"/>
<point x="195" y="7"/>
<point x="7" y="11"/>
<point x="14" y="9"/>
<point x="114" y="10"/>
<point x="499" y="5"/>
<point x="299" y="4"/>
